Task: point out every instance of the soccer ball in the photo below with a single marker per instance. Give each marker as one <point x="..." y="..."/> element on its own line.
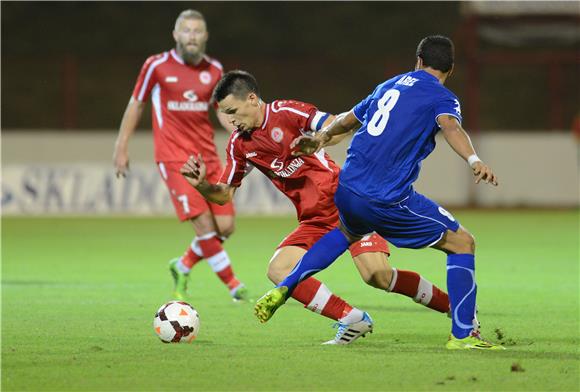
<point x="176" y="322"/>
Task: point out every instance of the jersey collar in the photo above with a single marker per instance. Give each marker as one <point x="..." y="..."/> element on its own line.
<point x="266" y="117"/>
<point x="180" y="60"/>
<point x="176" y="57"/>
<point x="428" y="75"/>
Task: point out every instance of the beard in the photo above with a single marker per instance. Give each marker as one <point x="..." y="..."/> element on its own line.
<point x="191" y="56"/>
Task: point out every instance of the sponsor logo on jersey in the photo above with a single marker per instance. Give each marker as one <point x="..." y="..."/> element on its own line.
<point x="190" y="95"/>
<point x="205" y="77"/>
<point x="277" y="165"/>
<point x="252" y="154"/>
<point x="184" y="106"/>
<point x="171" y="79"/>
<point x="277" y="134"/>
<point x="191" y="105"/>
<point x="292" y="167"/>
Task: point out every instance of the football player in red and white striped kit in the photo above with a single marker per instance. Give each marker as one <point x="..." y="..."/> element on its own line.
<point x="263" y="138"/>
<point x="180" y="83"/>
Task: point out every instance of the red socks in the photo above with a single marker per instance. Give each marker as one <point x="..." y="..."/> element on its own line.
<point x="190" y="258"/>
<point x="218" y="260"/>
<point x="316" y="297"/>
<point x="209" y="247"/>
<point x="413" y="285"/>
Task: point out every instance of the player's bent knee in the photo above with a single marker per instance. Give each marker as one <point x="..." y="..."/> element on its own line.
<point x="379" y="278"/>
<point x="465" y="242"/>
<point x="469" y="241"/>
<point x="225" y="225"/>
<point x="275" y="274"/>
<point x="203" y="224"/>
<point x="227" y="230"/>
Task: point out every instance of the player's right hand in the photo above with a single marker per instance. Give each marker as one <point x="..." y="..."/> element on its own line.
<point x="194" y="170"/>
<point x="121" y="162"/>
<point x="483" y="172"/>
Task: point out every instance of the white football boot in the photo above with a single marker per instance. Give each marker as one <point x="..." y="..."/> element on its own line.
<point x="348" y="333"/>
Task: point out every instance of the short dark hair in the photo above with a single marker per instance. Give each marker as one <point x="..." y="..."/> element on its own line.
<point x="238" y="83"/>
<point x="437" y="52"/>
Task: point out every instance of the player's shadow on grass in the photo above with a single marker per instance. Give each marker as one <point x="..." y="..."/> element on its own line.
<point x="412" y="308"/>
<point x="397" y="309"/>
<point x="82" y="285"/>
<point x="29" y="283"/>
<point x="415" y="343"/>
<point x="203" y="342"/>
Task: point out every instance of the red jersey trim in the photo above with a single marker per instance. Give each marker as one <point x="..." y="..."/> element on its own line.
<point x="267" y="116"/>
<point x="320" y="155"/>
<point x="177" y="57"/>
<point x="305" y="115"/>
<point x="149" y="73"/>
<point x="233" y="159"/>
<point x="213" y="62"/>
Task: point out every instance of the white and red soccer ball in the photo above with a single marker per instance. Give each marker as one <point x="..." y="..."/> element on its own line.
<point x="176" y="322"/>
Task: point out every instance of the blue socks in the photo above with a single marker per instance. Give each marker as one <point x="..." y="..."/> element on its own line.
<point x="462" y="292"/>
<point x="320" y="256"/>
<point x="460" y="278"/>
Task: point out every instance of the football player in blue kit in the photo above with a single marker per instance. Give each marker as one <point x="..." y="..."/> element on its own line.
<point x="395" y="128"/>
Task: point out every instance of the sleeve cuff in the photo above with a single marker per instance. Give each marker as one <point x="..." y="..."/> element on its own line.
<point x="360" y="120"/>
<point x="449" y="114"/>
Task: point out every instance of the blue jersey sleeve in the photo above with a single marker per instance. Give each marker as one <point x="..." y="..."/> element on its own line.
<point x="449" y="104"/>
<point x="361" y="108"/>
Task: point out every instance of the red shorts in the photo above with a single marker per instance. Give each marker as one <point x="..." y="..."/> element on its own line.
<point x="305" y="235"/>
<point x="188" y="202"/>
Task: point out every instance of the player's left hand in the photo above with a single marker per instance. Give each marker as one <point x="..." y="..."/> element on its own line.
<point x="305" y="145"/>
<point x="483" y="172"/>
<point x="308" y="145"/>
<point x="194" y="170"/>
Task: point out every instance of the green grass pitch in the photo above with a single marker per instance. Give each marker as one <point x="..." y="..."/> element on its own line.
<point x="79" y="295"/>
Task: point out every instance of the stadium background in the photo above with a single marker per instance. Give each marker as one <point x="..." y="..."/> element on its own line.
<point x="68" y="70"/>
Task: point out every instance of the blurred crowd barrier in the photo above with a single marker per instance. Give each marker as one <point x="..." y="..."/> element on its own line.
<point x="66" y="173"/>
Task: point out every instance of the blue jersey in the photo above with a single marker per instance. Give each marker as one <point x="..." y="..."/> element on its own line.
<point x="398" y="131"/>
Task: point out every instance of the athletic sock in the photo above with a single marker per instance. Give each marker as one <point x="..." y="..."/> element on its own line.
<point x="413" y="285"/>
<point x="218" y="260"/>
<point x="321" y="255"/>
<point x="352" y="316"/>
<point x="462" y="292"/>
<point x="315" y="296"/>
<point x="189" y="259"/>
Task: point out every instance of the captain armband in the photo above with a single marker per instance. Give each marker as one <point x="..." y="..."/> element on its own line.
<point x="318" y="121"/>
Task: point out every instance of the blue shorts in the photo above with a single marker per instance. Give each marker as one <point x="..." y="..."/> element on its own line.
<point x="414" y="222"/>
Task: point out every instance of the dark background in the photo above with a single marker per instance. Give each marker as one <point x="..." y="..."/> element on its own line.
<point x="73" y="65"/>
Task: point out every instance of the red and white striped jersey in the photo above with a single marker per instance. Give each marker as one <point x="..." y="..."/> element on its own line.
<point x="180" y="96"/>
<point x="308" y="181"/>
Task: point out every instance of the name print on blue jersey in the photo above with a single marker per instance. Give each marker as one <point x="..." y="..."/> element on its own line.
<point x="403" y="112"/>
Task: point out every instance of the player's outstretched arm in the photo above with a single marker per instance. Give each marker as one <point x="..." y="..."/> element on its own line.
<point x="342" y="125"/>
<point x="351" y="124"/>
<point x="459" y="140"/>
<point x="194" y="171"/>
<point x="335" y="129"/>
<point x="129" y="123"/>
